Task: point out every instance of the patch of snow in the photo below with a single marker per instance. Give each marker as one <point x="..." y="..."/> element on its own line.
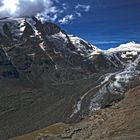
<point x="22" y="25"/>
<point x="60" y="41"/>
<point x="129" y="54"/>
<point x="124" y="55"/>
<point x="32" y="23"/>
<point x="77" y="108"/>
<point x="31" y="54"/>
<point x="82" y="49"/>
<point x="121" y="62"/>
<point x="94" y="106"/>
<point x="132" y="53"/>
<point x="44" y="49"/>
<point x="60" y="36"/>
<point x="131" y="46"/>
<point x="42" y="46"/>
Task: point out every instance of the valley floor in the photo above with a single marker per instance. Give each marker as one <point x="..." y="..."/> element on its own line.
<point x="118" y="122"/>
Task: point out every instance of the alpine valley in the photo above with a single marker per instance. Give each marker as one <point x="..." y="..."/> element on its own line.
<point x="48" y="77"/>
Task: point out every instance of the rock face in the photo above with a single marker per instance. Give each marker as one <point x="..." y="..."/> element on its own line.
<point x="48" y="76"/>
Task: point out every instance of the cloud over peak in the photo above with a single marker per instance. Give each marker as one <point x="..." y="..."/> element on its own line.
<point x="51" y="10"/>
<point x="22" y="8"/>
<point x="66" y="19"/>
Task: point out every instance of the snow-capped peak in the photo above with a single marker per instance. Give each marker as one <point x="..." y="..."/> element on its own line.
<point x="131" y="46"/>
<point x="83" y="47"/>
<point x="80" y="43"/>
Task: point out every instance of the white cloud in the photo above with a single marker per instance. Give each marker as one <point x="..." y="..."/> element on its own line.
<point x="78" y="14"/>
<point x="65" y="6"/>
<point x="22" y="8"/>
<point x="54" y="17"/>
<point x="51" y="10"/>
<point x="66" y="19"/>
<point x="86" y="8"/>
<point x="106" y="42"/>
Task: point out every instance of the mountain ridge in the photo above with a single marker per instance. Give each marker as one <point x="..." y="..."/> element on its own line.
<point x="45" y="72"/>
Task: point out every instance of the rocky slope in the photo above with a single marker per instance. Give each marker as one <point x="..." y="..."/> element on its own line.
<point x="45" y="72"/>
<point x="121" y="121"/>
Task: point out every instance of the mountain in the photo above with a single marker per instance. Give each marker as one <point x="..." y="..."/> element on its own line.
<point x="48" y="76"/>
<point x="121" y="121"/>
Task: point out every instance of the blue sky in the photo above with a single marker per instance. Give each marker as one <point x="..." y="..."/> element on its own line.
<point x="105" y="23"/>
<point x="108" y="23"/>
